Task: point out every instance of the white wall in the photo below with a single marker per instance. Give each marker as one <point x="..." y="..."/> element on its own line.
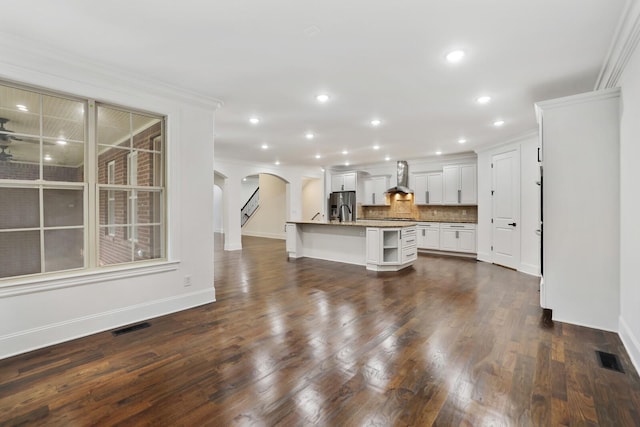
<point x="268" y="220"/>
<point x="629" y="323"/>
<point x="248" y="186"/>
<point x="529" y="202"/>
<point x="38" y="312"/>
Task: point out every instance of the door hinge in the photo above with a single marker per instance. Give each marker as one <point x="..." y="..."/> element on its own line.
<point x="492" y="192"/>
<point x="492" y="248"/>
<point x="491" y="165"/>
<point x="491" y="220"/>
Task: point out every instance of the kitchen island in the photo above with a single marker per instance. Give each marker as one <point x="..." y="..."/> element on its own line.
<point x="377" y="245"/>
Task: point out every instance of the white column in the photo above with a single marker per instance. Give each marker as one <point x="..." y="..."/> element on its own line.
<point x="232" y="206"/>
<point x="294" y="190"/>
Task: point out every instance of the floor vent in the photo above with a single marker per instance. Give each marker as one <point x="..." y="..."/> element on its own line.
<point x="131" y="328"/>
<point x="609" y="361"/>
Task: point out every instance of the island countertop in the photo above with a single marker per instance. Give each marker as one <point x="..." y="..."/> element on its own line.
<point x="361" y="223"/>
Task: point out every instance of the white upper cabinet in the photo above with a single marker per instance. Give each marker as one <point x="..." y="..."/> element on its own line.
<point x="460" y="186"/>
<point x="343" y="182"/>
<point x="427" y="188"/>
<point x="374" y="190"/>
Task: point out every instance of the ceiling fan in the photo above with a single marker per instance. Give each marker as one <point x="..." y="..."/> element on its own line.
<point x="5" y="157"/>
<point x="5" y="134"/>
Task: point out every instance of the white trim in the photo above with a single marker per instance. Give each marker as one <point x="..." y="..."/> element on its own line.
<point x="586" y="325"/>
<point x="622" y="46"/>
<point x="522" y="137"/>
<point x="30" y="284"/>
<point x="35" y="338"/>
<point x="122" y="79"/>
<point x="485" y="257"/>
<point x="576" y="99"/>
<point x="630" y="342"/>
<point x="229" y="247"/>
<point x="531" y="269"/>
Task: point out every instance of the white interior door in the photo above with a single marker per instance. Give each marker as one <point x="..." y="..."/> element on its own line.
<point x="506" y="209"/>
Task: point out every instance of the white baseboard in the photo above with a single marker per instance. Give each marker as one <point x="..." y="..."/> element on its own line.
<point x="557" y="318"/>
<point x="485" y="257"/>
<point x="531" y="269"/>
<point x="281" y="236"/>
<point x="44" y="336"/>
<point x="631" y="343"/>
<point x="232" y="247"/>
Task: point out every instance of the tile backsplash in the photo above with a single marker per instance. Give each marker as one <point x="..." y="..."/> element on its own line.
<point x="402" y="207"/>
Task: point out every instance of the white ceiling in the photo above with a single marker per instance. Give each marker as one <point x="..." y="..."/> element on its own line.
<point x="375" y="58"/>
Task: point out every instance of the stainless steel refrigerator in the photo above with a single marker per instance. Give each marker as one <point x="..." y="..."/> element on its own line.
<point x="342" y="206"/>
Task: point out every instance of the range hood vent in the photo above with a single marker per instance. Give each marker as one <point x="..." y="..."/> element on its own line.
<point x="403" y="180"/>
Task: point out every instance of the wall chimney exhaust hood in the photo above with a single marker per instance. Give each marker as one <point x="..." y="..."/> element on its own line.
<point x="403" y="180"/>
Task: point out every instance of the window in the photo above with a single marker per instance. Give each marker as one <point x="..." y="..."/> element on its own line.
<point x="52" y="169"/>
<point x="134" y="141"/>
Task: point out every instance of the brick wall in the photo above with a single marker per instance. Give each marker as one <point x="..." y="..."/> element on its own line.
<point x="117" y="249"/>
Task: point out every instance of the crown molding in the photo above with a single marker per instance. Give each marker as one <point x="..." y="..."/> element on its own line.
<point x="25" y="57"/>
<point x="624" y="43"/>
<point x="533" y="133"/>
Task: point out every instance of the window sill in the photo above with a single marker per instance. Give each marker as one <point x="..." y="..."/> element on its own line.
<point x="30" y="285"/>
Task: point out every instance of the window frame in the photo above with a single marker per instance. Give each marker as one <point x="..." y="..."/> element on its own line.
<point x="91" y="197"/>
<point x="111" y="199"/>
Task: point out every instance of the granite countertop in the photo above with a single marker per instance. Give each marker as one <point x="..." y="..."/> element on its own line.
<point x="361" y="223"/>
<point x="400" y="221"/>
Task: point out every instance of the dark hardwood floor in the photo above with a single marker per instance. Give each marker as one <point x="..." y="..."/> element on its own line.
<point x="449" y="342"/>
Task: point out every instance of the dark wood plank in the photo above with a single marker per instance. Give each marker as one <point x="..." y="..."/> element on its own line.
<point x="449" y="342"/>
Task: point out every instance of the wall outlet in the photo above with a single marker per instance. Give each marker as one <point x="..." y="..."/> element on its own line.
<point x="186" y="281"/>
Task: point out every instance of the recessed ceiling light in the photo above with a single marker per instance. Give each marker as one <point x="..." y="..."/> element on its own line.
<point x="244" y="179"/>
<point x="264" y="146"/>
<point x="254" y="120"/>
<point x="345" y="152"/>
<point x="375" y="122"/>
<point x="455" y="56"/>
<point x="277" y="162"/>
<point x="47" y="157"/>
<point x="438" y="153"/>
<point x="318" y="156"/>
<point x="61" y="142"/>
<point x="387" y="158"/>
<point x="309" y="135"/>
<point x="498" y="123"/>
<point x="346" y="163"/>
<point x="483" y="99"/>
<point x="462" y="141"/>
<point x="22" y="107"/>
<point x="376" y="147"/>
<point x="322" y="98"/>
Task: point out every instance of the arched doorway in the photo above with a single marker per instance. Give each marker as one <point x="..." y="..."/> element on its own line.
<point x="265" y="203"/>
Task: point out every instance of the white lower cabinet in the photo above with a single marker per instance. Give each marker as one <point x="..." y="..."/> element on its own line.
<point x="409" y="244"/>
<point x="390" y="249"/>
<point x="458" y="237"/>
<point x="428" y="235"/>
